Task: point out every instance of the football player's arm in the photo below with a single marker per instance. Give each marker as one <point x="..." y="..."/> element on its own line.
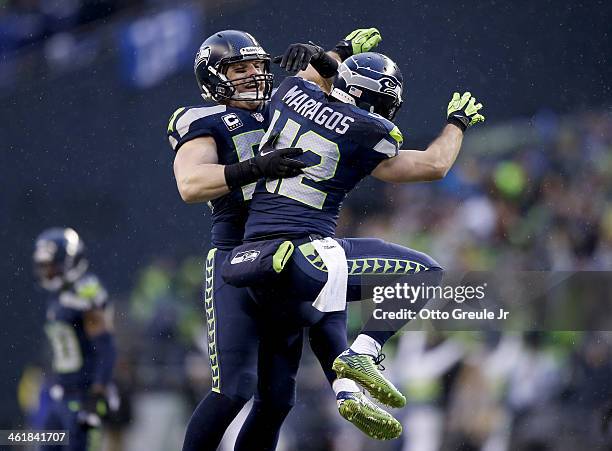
<point x="435" y="162"/>
<point x="200" y="177"/>
<point x="420" y="166"/>
<point x="311" y="74"/>
<point x="97" y="323"/>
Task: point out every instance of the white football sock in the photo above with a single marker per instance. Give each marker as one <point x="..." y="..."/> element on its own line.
<point x="364" y="344"/>
<point x="344" y="384"/>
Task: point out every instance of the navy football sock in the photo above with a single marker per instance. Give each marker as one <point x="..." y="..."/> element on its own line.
<point x="210" y="420"/>
<point x="328" y="340"/>
<point x="262" y="427"/>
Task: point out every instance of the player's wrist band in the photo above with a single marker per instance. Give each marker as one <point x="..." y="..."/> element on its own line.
<point x="458" y="122"/>
<point x="325" y="65"/>
<point x="240" y="174"/>
<point x="344" y="49"/>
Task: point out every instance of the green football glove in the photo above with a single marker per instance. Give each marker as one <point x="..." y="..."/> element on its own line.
<point x="358" y="41"/>
<point x="463" y="111"/>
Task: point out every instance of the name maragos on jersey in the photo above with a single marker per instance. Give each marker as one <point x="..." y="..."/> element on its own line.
<point x="311" y="109"/>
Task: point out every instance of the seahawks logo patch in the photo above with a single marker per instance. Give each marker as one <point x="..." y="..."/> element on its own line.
<point x="232" y="121"/>
<point x="246" y="256"/>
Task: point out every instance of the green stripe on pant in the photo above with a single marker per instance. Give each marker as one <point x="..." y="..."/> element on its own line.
<point x="209" y="304"/>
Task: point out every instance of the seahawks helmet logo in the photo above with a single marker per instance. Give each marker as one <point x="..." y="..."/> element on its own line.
<point x="390" y="86"/>
<point x="384" y="84"/>
<point x="202" y="56"/>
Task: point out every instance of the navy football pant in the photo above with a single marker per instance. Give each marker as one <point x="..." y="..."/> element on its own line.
<point x="328" y="339"/>
<point x="279" y="358"/>
<point x="62" y="414"/>
<point x="370" y="261"/>
<point x="209" y="421"/>
<point x="288" y="303"/>
<point x="235" y="330"/>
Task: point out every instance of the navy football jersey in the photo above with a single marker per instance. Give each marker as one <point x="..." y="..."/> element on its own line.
<point x="72" y="350"/>
<point x="237" y="134"/>
<point x="342" y="144"/>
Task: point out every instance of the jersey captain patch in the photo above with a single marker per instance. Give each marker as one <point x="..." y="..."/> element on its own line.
<point x="232" y="121"/>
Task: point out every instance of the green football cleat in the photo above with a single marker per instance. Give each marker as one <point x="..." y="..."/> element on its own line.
<point x="362" y="368"/>
<point x="368" y="417"/>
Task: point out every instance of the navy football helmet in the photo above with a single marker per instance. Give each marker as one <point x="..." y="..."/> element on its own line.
<point x="59" y="258"/>
<point x="220" y="50"/>
<point x="370" y="81"/>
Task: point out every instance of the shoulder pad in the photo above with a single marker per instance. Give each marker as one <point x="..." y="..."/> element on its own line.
<point x="191" y="119"/>
<point x="389" y="126"/>
<point x="392" y="130"/>
<point x="87" y="293"/>
<point x="387" y="139"/>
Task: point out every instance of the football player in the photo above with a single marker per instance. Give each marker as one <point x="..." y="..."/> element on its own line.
<point x="78" y="327"/>
<point x="346" y="136"/>
<point x="217" y="161"/>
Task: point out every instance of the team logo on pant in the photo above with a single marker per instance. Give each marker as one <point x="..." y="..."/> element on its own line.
<point x="246" y="256"/>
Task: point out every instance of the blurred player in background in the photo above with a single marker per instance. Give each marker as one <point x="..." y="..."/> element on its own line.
<point x="215" y="161"/>
<point x="79" y="327"/>
<point x="346" y="135"/>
